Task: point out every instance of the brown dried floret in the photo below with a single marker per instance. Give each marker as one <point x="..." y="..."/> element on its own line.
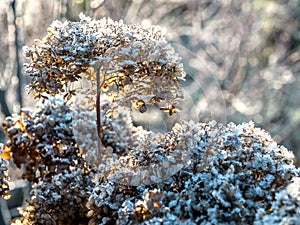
<point x="4" y="179"/>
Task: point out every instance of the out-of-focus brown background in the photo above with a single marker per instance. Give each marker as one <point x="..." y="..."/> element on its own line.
<point x="241" y="56"/>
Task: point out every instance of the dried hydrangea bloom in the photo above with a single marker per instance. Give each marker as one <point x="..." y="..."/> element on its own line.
<point x="60" y="200"/>
<point x="285" y="210"/>
<point x="243" y="170"/>
<point x="42" y="141"/>
<point x="154" y="158"/>
<point x="136" y="65"/>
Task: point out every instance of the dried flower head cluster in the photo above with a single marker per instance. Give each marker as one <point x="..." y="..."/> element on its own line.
<point x="42" y="141"/>
<point x="136" y="64"/>
<point x="286" y="208"/>
<point x="241" y="174"/>
<point x="192" y="174"/>
<point x="60" y="200"/>
<point x="53" y="161"/>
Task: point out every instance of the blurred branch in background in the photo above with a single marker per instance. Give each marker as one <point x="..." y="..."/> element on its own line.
<point x="17" y="46"/>
<point x="4" y="106"/>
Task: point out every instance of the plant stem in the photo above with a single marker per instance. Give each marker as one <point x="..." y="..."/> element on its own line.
<point x="98" y="111"/>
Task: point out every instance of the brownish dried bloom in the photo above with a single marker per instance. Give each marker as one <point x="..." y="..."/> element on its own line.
<point x="60" y="200"/>
<point x="136" y="65"/>
<point x="42" y="141"/>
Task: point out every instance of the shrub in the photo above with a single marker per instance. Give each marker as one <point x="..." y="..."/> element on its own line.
<point x="196" y="173"/>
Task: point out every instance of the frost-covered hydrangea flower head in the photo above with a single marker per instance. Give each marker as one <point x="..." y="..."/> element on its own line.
<point x="136" y="65"/>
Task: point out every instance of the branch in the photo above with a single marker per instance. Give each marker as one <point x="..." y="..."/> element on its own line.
<point x="4" y="106"/>
<point x="17" y="46"/>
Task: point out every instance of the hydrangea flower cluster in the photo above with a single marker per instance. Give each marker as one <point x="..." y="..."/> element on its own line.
<point x="43" y="141"/>
<point x="137" y="65"/>
<point x="196" y="173"/>
<point x="285" y="210"/>
<point x="60" y="200"/>
<point x="232" y="173"/>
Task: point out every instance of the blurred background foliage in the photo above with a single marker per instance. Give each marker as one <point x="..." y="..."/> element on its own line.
<point x="241" y="56"/>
